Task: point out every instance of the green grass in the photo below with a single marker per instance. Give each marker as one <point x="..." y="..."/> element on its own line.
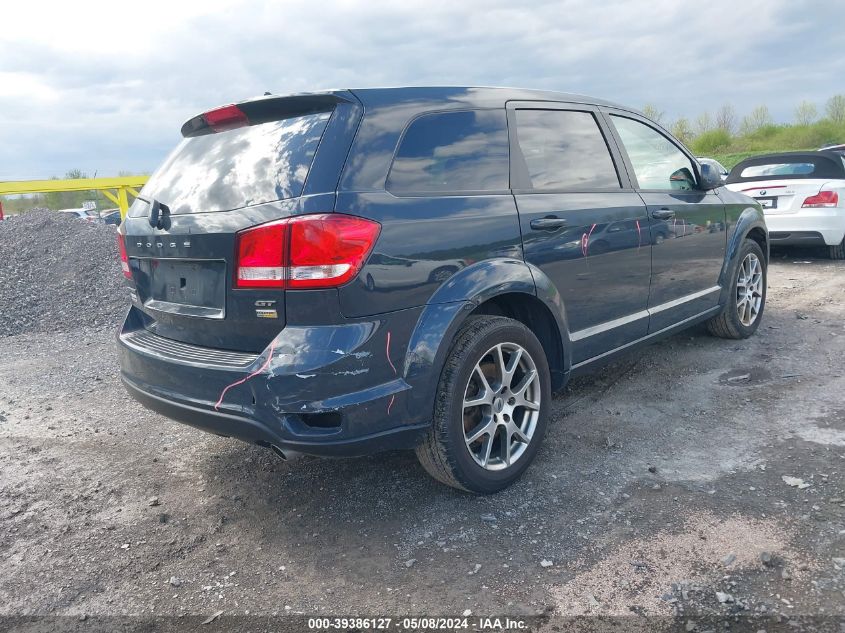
<point x="769" y="139"/>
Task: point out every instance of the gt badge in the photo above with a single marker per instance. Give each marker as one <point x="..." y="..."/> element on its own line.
<point x="264" y="309"/>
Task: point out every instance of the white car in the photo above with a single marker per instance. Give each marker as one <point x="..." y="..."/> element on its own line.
<point x="82" y="214"/>
<point x="840" y="148"/>
<point x="802" y="195"/>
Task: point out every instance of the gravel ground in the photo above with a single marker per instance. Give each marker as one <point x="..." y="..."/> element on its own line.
<point x="698" y="479"/>
<point x="57" y="273"/>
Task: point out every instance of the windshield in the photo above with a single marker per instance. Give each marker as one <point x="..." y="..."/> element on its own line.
<point x="233" y="169"/>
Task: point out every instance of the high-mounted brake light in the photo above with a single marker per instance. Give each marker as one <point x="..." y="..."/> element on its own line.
<point x="225" y="118"/>
<point x="124" y="260"/>
<point x="822" y="199"/>
<point x="309" y="251"/>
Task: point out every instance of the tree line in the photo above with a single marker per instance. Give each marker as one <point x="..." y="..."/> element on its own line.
<point x="724" y="132"/>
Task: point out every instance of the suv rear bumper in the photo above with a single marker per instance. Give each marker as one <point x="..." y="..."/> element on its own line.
<point x="324" y="390"/>
<point x="255" y="432"/>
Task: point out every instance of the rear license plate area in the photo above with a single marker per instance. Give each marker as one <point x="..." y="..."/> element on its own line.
<point x="768" y="203"/>
<point x="185" y="287"/>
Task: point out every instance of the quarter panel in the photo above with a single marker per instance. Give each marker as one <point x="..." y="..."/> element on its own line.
<point x="423" y="243"/>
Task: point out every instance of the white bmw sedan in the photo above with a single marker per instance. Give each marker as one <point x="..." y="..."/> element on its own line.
<point x="802" y="195"/>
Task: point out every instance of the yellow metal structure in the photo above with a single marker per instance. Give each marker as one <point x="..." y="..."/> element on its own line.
<point x="115" y="189"/>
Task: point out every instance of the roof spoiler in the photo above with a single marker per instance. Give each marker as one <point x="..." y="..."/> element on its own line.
<point x="261" y="110"/>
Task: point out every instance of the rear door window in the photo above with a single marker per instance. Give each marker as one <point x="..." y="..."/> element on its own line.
<point x="564" y="149"/>
<point x="237" y="168"/>
<point x="454" y="152"/>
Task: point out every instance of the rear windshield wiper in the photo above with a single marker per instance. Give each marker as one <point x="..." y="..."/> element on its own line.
<point x="159" y="215"/>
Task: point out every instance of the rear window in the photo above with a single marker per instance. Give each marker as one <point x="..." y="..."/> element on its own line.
<point x="459" y="151"/>
<point x="778" y="167"/>
<point x="241" y="167"/>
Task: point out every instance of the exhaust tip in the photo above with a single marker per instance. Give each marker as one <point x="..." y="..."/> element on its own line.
<point x="278" y="452"/>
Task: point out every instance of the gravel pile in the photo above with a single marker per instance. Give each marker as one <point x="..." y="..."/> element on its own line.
<point x="58" y="273"/>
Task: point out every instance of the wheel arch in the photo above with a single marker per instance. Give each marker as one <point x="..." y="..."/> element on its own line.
<point x="750" y="224"/>
<point x="508" y="287"/>
<point x="537" y="317"/>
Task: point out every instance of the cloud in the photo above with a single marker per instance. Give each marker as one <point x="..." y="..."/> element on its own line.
<point x="105" y="87"/>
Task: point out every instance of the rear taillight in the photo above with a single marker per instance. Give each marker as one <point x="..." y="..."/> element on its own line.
<point x="261" y="256"/>
<point x="225" y="118"/>
<point x="822" y="199"/>
<point x="329" y="249"/>
<point x="124" y="260"/>
<point x="309" y="251"/>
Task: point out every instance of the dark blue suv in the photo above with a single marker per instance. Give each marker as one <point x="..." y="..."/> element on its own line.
<point x="345" y="272"/>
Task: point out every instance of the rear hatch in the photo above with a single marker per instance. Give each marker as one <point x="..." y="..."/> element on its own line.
<point x="239" y="166"/>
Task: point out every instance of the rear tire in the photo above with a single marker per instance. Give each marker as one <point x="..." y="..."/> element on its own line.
<point x="838" y="251"/>
<point x="741" y="315"/>
<point x="497" y="365"/>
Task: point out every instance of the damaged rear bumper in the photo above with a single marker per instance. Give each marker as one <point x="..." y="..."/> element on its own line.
<point x="323" y="390"/>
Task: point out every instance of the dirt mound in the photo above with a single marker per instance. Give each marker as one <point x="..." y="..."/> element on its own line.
<point x="58" y="273"/>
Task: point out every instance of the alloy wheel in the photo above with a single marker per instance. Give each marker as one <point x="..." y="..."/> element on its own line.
<point x="501" y="406"/>
<point x="749" y="289"/>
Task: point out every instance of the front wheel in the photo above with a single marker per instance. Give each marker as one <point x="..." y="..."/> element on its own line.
<point x="740" y="317"/>
<point x="491" y="408"/>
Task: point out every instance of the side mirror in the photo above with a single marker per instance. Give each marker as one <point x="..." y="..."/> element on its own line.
<point x="710" y="177"/>
<point x="682" y="180"/>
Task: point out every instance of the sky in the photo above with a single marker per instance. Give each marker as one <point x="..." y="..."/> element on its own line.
<point x="105" y="86"/>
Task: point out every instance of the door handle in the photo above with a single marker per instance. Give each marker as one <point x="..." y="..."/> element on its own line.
<point x="549" y="223"/>
<point x="663" y="214"/>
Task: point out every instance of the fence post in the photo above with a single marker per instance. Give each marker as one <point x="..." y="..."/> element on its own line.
<point x="122" y="202"/>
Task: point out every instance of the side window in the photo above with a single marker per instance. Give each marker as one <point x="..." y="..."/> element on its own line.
<point x="657" y="161"/>
<point x="564" y="149"/>
<point x="452" y="152"/>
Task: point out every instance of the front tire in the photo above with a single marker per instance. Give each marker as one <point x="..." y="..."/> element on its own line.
<point x="491" y="408"/>
<point x="741" y="315"/>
